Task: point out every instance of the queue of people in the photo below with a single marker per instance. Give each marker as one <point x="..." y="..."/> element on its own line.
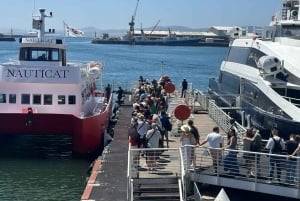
<point x="150" y="119"/>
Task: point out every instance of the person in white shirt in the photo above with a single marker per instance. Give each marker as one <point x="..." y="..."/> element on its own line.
<point x="153" y="136"/>
<point x="215" y="141"/>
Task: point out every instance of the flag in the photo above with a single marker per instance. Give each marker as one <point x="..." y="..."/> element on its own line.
<point x="71" y="31"/>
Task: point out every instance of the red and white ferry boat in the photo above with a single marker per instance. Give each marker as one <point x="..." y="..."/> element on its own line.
<point x="42" y="94"/>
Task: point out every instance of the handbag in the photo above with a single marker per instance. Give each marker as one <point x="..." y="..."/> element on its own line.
<point x="149" y="144"/>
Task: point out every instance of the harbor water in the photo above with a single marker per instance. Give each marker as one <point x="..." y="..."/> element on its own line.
<point x="43" y="167"/>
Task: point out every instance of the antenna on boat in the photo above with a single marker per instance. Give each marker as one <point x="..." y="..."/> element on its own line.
<point x="39" y="23"/>
<point x="33" y="6"/>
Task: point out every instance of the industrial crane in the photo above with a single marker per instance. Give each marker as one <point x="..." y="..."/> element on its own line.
<point x="154" y="27"/>
<point x="131" y="24"/>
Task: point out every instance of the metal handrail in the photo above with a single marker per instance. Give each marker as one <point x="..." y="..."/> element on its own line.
<point x="258" y="161"/>
<point x="129" y="179"/>
<point x="180" y="190"/>
<point x="183" y="174"/>
<point x="197" y="193"/>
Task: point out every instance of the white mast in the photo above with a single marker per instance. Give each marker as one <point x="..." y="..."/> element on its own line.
<point x="41" y="22"/>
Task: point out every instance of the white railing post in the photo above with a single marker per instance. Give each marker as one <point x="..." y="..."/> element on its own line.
<point x="129" y="179"/>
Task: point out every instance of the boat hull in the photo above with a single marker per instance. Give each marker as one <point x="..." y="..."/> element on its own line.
<point x="183" y="42"/>
<point x="87" y="133"/>
<point x="7" y="39"/>
<point x="111" y="42"/>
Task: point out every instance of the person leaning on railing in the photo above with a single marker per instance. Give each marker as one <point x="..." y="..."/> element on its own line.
<point x="248" y="156"/>
<point x="230" y="159"/>
<point x="297" y="150"/>
<point x="291" y="162"/>
<point x="275" y="145"/>
<point x="255" y="146"/>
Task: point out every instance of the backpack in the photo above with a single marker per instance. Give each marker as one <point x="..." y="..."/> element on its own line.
<point x="277" y="149"/>
<point x="134" y="133"/>
<point x="168" y="126"/>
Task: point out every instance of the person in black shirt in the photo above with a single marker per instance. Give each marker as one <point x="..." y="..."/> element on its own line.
<point x="194" y="131"/>
<point x="120" y="94"/>
<point x="184" y="86"/>
<point x="107" y="92"/>
<point x="291" y="163"/>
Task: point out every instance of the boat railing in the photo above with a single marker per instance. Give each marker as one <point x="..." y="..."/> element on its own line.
<point x="167" y="163"/>
<point x="258" y="167"/>
<point x="219" y="114"/>
<point x="295" y="101"/>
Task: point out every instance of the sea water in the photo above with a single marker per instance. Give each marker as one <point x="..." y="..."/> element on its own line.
<point x="43" y="168"/>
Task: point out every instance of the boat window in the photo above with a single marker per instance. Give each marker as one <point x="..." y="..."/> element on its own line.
<point x="72" y="99"/>
<point x="231" y="83"/>
<point x="238" y="54"/>
<point x="37" y="99"/>
<point x="61" y="100"/>
<point x="290" y="31"/>
<point x="254" y="56"/>
<point x="39" y="54"/>
<point x="2" y="98"/>
<point x="47" y="99"/>
<point x="25" y="98"/>
<point x="12" y="98"/>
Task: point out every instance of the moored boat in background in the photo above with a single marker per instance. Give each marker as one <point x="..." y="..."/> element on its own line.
<point x="43" y="94"/>
<point x="4" y="37"/>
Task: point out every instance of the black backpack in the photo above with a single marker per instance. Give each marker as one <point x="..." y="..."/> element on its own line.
<point x="277" y="149"/>
<point x="168" y="126"/>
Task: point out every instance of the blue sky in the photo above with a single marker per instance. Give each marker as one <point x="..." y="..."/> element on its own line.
<point x="115" y="14"/>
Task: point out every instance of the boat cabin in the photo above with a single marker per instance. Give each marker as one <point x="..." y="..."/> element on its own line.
<point x="42" y="49"/>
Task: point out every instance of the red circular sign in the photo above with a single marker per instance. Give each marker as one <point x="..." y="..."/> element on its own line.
<point x="169" y="87"/>
<point x="182" y="112"/>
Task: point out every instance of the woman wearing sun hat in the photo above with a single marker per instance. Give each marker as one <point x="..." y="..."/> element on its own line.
<point x="186" y="138"/>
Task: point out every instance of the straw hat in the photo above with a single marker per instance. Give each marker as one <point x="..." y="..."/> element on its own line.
<point x="185" y="128"/>
<point x="140" y="116"/>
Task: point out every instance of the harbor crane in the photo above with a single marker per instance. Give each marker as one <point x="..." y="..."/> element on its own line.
<point x="131" y="23"/>
<point x="154" y="27"/>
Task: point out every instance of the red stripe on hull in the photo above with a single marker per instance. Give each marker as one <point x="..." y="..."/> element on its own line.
<point x="87" y="134"/>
